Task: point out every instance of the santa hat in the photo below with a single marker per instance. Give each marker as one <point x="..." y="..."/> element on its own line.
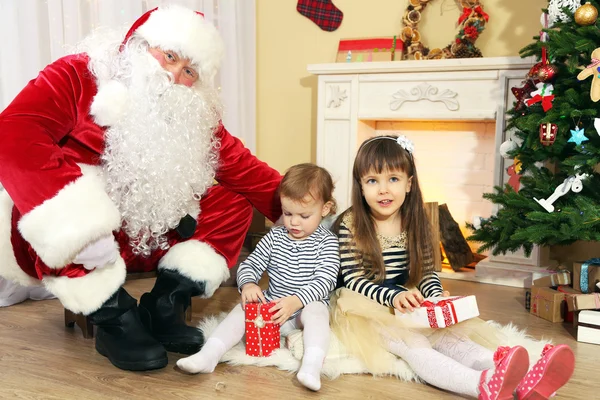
<point x="170" y="27"/>
<point x="184" y="31"/>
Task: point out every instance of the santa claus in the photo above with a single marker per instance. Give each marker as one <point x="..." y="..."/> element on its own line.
<point x="109" y="160"/>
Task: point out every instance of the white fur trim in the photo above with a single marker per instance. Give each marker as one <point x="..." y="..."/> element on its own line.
<point x="80" y="213"/>
<point x="86" y="294"/>
<point x="339" y="360"/>
<point x="184" y="31"/>
<point x="199" y="262"/>
<point x="109" y="103"/>
<point x="9" y="269"/>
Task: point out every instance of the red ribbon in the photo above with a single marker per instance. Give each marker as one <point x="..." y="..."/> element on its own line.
<point x="467" y="11"/>
<point x="546" y="101"/>
<point x="480" y="11"/>
<point x="466" y="14"/>
<point x="448" y="311"/>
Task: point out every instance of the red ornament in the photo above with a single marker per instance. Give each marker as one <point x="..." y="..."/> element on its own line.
<point x="521" y="94"/>
<point x="535" y="70"/>
<point x="543" y="71"/>
<point x="548" y="133"/>
<point x="514" y="173"/>
<point x="547" y="72"/>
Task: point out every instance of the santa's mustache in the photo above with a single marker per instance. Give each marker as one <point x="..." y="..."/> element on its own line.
<point x="161" y="157"/>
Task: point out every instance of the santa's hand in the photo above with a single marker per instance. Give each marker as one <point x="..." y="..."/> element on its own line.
<point x="99" y="253"/>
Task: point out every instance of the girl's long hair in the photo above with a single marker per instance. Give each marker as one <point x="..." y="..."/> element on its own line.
<point x="378" y="155"/>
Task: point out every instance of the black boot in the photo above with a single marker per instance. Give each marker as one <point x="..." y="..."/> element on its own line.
<point x="163" y="312"/>
<point x="122" y="338"/>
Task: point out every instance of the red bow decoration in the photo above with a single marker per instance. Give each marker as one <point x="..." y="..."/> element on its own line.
<point x="547" y="348"/>
<point x="500" y="353"/>
<point x="479" y="10"/>
<point x="448" y="311"/>
<point x="546" y="101"/>
<point x="467" y="11"/>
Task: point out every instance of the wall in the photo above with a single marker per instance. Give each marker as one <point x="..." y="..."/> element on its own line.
<point x="287" y="42"/>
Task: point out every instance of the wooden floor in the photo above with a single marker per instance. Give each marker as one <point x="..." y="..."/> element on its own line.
<point x="41" y="359"/>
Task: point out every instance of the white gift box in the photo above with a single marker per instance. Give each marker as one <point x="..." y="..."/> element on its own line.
<point x="440" y="312"/>
<point x="588" y="327"/>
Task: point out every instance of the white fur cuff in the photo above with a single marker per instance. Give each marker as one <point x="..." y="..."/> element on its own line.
<point x="86" y="294"/>
<point x="199" y="262"/>
<point x="108" y="105"/>
<point x="80" y="213"/>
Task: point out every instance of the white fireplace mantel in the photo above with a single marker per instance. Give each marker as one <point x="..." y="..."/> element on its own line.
<point x="352" y="97"/>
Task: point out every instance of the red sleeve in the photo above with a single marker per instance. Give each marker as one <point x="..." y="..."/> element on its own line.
<point x="243" y="173"/>
<point x="33" y="167"/>
<point x="64" y="206"/>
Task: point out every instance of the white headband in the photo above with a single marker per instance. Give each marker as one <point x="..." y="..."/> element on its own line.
<point x="403" y="141"/>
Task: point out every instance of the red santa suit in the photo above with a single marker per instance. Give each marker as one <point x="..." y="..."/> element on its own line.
<point x="55" y="203"/>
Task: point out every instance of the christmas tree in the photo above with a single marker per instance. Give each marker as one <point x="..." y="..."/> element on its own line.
<point x="553" y="195"/>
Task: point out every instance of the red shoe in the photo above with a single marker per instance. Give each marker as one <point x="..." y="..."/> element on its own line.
<point x="511" y="366"/>
<point x="549" y="374"/>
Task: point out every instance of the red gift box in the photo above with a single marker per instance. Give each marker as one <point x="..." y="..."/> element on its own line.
<point x="262" y="334"/>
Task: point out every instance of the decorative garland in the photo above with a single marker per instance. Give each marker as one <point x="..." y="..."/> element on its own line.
<point x="471" y="22"/>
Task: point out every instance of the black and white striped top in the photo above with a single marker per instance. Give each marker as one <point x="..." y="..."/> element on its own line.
<point x="306" y="268"/>
<point x="395" y="257"/>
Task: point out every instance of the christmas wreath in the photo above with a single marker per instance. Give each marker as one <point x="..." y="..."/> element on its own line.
<point x="471" y="23"/>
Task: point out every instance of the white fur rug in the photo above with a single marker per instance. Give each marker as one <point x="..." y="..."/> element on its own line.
<point x="338" y="361"/>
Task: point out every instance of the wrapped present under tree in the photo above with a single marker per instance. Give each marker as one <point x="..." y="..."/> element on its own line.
<point x="554" y="280"/>
<point x="546" y="303"/>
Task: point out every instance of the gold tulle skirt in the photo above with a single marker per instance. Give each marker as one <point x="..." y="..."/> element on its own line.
<point x="360" y="322"/>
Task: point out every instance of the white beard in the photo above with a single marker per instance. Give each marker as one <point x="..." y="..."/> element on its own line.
<point x="161" y="157"/>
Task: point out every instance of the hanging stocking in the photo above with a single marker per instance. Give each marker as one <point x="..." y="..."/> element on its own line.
<point x="322" y="12"/>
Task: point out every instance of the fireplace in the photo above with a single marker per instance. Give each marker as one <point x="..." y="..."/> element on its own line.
<point x="454" y="110"/>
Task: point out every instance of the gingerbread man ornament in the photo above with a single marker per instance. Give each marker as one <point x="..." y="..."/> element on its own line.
<point x="594" y="70"/>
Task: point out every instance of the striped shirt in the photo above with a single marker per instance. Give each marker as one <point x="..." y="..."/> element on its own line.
<point x="306" y="268"/>
<point x="395" y="257"/>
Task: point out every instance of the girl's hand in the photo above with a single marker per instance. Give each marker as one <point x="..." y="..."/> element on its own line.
<point x="284" y="308"/>
<point x="408" y="301"/>
<point x="252" y="293"/>
<point x="445" y="293"/>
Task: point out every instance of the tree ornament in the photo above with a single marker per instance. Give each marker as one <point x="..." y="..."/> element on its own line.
<point x="543" y="71"/>
<point x="543" y="95"/>
<point x="506" y="147"/>
<point x="547" y="72"/>
<point x="597" y="125"/>
<point x="577" y="136"/>
<point x="593" y="70"/>
<point x="514" y="173"/>
<point x="523" y="93"/>
<point x="555" y="10"/>
<point x="586" y="14"/>
<point x="548" y="133"/>
<point x="573" y="183"/>
<point x="471" y="23"/>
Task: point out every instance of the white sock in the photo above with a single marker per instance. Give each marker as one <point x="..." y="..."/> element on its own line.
<point x="226" y="335"/>
<point x="310" y="372"/>
<point x="466" y="352"/>
<point x="438" y="369"/>
<point x="315" y="320"/>
<point x="205" y="360"/>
